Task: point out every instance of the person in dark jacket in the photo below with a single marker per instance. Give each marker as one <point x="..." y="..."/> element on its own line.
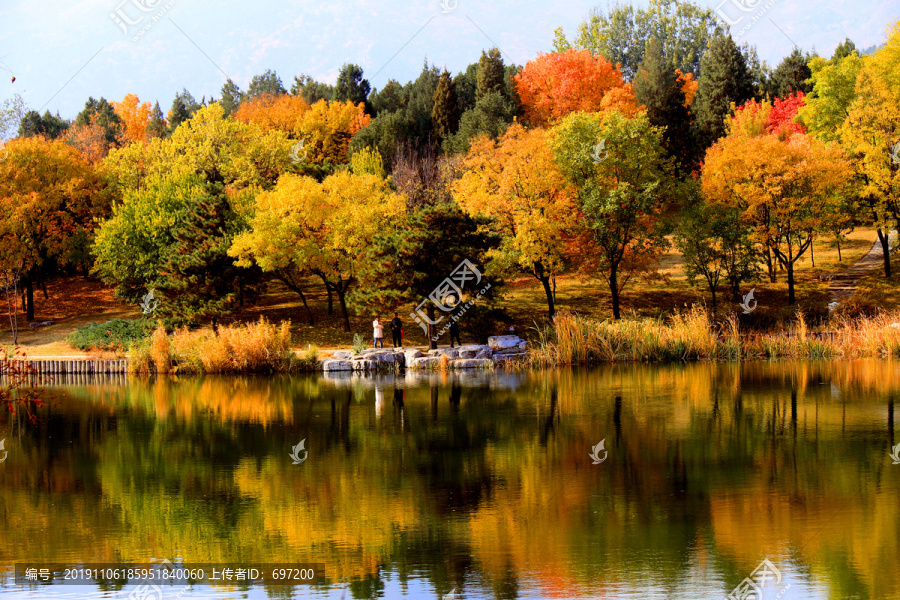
<point x="454" y="334"/>
<point x="397" y="331"/>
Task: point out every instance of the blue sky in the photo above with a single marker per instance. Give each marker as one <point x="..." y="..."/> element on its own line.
<point x="65" y="51"/>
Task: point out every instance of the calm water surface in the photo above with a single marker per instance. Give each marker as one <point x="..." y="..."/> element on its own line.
<point x="479" y="485"/>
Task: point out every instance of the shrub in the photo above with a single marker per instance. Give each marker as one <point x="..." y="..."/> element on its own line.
<point x="113" y="334"/>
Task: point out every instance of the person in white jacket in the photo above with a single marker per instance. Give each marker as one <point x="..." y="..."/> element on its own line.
<point x="378" y="332"/>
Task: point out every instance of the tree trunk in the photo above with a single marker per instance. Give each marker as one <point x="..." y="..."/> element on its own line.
<point x="886" y="248"/>
<point x="551" y="305"/>
<point x="29" y="297"/>
<point x="432" y="330"/>
<point x="330" y="302"/>
<point x="812" y="256"/>
<point x="770" y="265"/>
<point x="712" y="291"/>
<point x="614" y="292"/>
<point x="341" y="290"/>
<point x="839" y="251"/>
<point x="790" y="274"/>
<point x="299" y="292"/>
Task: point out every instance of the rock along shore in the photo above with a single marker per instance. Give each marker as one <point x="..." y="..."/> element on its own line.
<point x="499" y="349"/>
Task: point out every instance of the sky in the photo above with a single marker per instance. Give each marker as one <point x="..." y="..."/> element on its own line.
<point x="62" y="52"/>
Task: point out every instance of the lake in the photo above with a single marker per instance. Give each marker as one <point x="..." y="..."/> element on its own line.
<point x="754" y="480"/>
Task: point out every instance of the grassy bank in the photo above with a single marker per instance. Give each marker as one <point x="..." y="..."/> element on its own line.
<point x="692" y="335"/>
<point x="259" y="347"/>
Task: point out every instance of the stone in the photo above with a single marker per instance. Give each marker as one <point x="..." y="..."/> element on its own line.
<point x="411" y="355"/>
<point x="337" y="365"/>
<point x="343" y="354"/>
<point x="502" y="342"/>
<point x="485" y="352"/>
<point x="471" y="363"/>
<point x="363" y="365"/>
<point x="468" y="353"/>
<point x="448" y="352"/>
<point x="425" y="361"/>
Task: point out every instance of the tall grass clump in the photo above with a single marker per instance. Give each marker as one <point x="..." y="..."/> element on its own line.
<point x="244" y="348"/>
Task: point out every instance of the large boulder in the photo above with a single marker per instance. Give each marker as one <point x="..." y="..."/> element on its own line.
<point x="411" y="355"/>
<point x="337" y="365"/>
<point x="471" y="363"/>
<point x="448" y="352"/>
<point x="363" y="365"/>
<point x="343" y="354"/>
<point x="423" y="362"/>
<point x="504" y="342"/>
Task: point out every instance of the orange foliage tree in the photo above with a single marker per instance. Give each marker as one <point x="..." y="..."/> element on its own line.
<point x="554" y="85"/>
<point x="325" y="128"/>
<point x="90" y="141"/>
<point x="135" y="116"/>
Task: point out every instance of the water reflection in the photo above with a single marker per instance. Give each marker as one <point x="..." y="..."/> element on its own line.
<point x="479" y="482"/>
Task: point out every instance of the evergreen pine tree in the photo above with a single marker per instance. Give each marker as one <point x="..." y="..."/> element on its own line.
<point x="724" y="79"/>
<point x="445" y="111"/>
<point x="156" y="126"/>
<point x="198" y="280"/>
<point x="351" y="85"/>
<point x="657" y="87"/>
<point x="491" y="73"/>
<point x="792" y="75"/>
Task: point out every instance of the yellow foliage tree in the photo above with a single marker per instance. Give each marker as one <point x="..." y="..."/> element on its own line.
<point x="516" y="181"/>
<point x="135" y="116"/>
<point x="303" y="228"/>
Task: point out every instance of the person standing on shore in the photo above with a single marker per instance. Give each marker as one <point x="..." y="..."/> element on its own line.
<point x="378" y="332"/>
<point x="454" y="334"/>
<point x="397" y="331"/>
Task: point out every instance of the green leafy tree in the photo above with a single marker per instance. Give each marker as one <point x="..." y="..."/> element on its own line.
<point x="716" y="247"/>
<point x="388" y="99"/>
<point x="658" y="88"/>
<point x="684" y="28"/>
<point x="844" y="49"/>
<point x="101" y="112"/>
<point x="266" y="83"/>
<point x="406" y="262"/>
<point x="833" y="91"/>
<point x="445" y="112"/>
<point x="49" y="126"/>
<point x="491" y="116"/>
<point x="725" y="82"/>
<point x="183" y="108"/>
<point x="622" y="192"/>
<point x="466" y="84"/>
<point x="311" y="90"/>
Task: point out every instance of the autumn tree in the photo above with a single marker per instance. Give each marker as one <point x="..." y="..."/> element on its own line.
<point x="134" y="116"/>
<point x="784" y="187"/>
<point x="284" y="113"/>
<point x="555" y="85"/>
<point x="871" y="133"/>
<point x="101" y="113"/>
<point x="833" y="91"/>
<point x="623" y="179"/>
<point x="305" y="227"/>
<point x="516" y="183"/>
<point x="49" y="196"/>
